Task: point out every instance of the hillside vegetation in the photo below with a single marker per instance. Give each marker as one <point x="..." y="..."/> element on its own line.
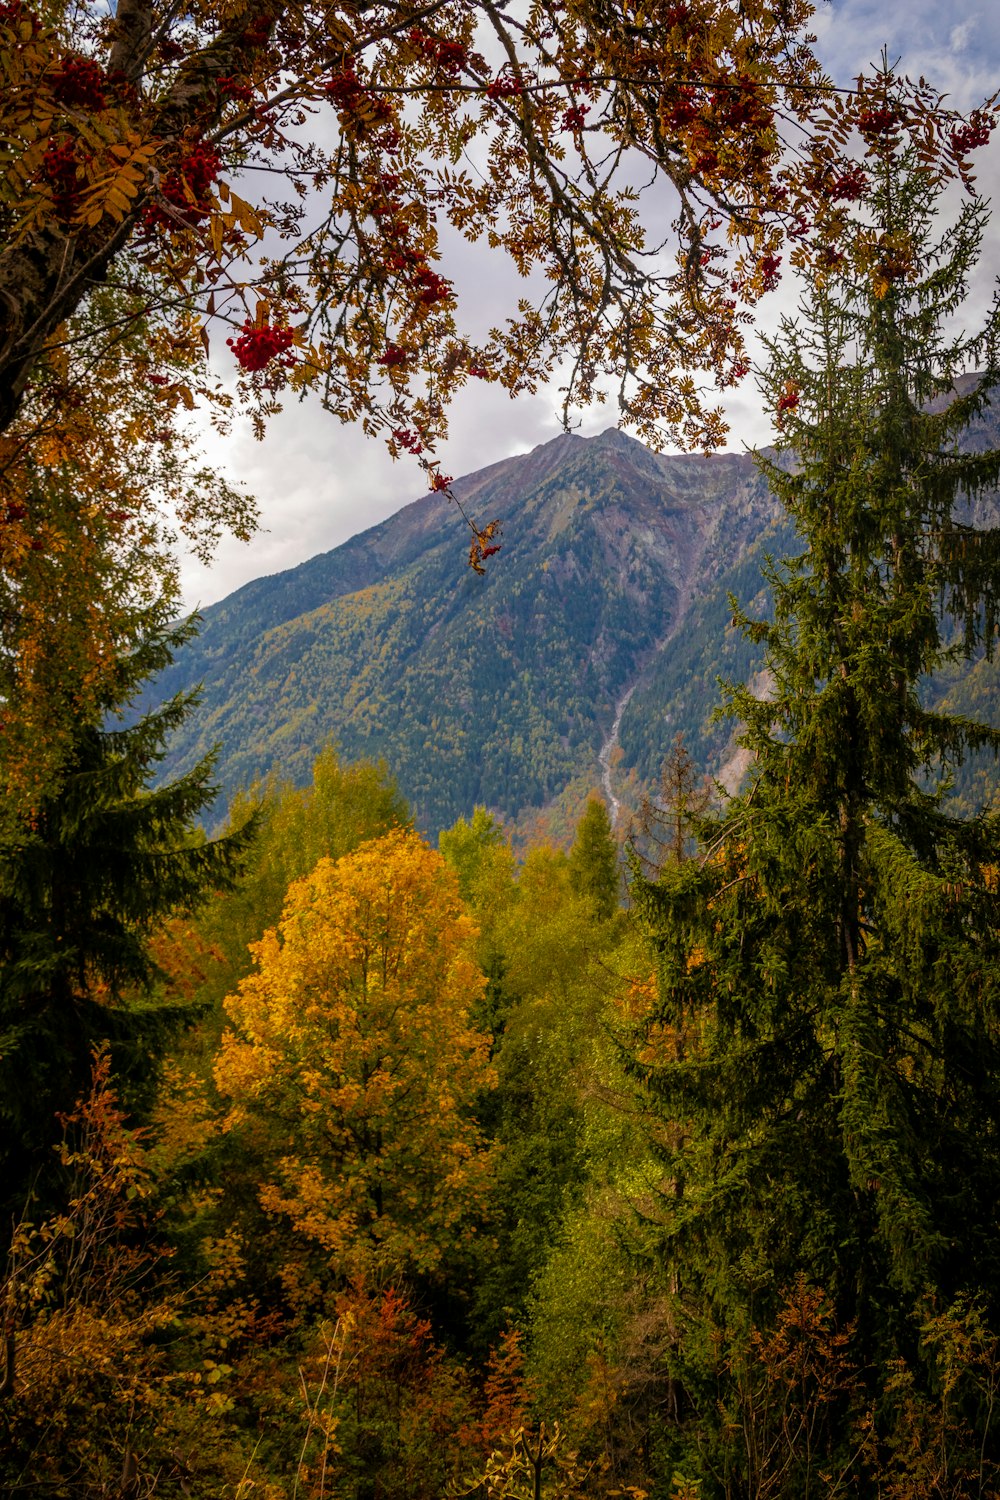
<point x="615" y="575"/>
<point x="498" y="689"/>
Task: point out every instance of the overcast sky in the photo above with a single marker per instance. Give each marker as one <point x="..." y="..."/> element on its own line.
<point x="318" y="482"/>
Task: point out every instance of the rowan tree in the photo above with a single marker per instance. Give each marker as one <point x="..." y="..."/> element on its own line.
<point x="830" y="962"/>
<point x="289" y="174"/>
<point x="351" y="1065"/>
<point x="120" y="131"/>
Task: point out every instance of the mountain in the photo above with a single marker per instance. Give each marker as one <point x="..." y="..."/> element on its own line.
<point x="604" y="617"/>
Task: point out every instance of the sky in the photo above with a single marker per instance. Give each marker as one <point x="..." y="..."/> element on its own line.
<point x="318" y="482"/>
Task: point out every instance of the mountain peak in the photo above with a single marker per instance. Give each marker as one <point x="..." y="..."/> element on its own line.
<point x="498" y="689"/>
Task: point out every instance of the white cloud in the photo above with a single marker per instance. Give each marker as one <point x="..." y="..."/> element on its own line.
<point x="319" y="482"/>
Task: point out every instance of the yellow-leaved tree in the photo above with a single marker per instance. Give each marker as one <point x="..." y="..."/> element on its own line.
<point x="351" y="1064"/>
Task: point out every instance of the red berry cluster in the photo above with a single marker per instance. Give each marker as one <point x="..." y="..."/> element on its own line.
<point x="574" y="117"/>
<point x="505" y="86"/>
<point x="392" y="359"/>
<point x="346" y="92"/>
<point x="883" y="121"/>
<point x="80" y="83"/>
<point x="740" y="107"/>
<point x="13" y="13"/>
<point x="483" y="545"/>
<point x="770" y="270"/>
<point x="680" y="107"/>
<point x="258" y="32"/>
<point x="788" y="400"/>
<point x="60" y="166"/>
<point x="231" y="87"/>
<point x="13" y="512"/>
<point x="191" y="180"/>
<point x="429" y="286"/>
<point x="158" y="379"/>
<point x="257" y="345"/>
<point x="450" y="57"/>
<point x="343" y="89"/>
<point x="848" y="186"/>
<point x="408" y="439"/>
<point x="399" y="257"/>
<point x="976" y="132"/>
<point x="199" y="169"/>
<point x="441" y="482"/>
<point x="478" y="372"/>
<point x="676" y="15"/>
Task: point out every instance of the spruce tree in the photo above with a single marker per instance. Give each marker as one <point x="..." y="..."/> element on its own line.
<point x="824" y="1058"/>
<point x="82" y="883"/>
<point x="593" y="859"/>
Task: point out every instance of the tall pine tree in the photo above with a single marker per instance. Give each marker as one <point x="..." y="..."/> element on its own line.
<point x="82" y="883"/>
<point x="825" y="1054"/>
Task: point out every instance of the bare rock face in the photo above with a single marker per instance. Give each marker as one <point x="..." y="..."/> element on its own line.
<point x="607" y="606"/>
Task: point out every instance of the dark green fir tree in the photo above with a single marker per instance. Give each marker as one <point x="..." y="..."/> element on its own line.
<point x="824" y="1060"/>
<point x="82" y="884"/>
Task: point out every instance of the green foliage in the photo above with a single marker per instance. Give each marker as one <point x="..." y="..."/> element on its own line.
<point x="465" y="844"/>
<point x="593" y="860"/>
<point x="547" y="991"/>
<point x="82" y="885"/>
<point x="825" y="1054"/>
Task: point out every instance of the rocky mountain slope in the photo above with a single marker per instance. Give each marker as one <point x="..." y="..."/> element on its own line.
<point x="606" y="610"/>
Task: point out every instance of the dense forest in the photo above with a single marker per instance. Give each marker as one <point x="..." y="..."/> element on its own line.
<point x="341" y="1163"/>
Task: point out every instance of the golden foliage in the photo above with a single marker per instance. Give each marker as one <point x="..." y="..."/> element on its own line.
<point x="351" y="1064"/>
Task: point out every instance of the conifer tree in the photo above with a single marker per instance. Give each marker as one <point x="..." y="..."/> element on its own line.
<point x="593" y="859"/>
<point x="82" y="883"/>
<point x="826" y="1045"/>
<point x="682" y="797"/>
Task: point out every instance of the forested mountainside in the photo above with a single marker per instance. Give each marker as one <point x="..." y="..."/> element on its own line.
<point x="613" y="584"/>
<point x="498" y="689"/>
